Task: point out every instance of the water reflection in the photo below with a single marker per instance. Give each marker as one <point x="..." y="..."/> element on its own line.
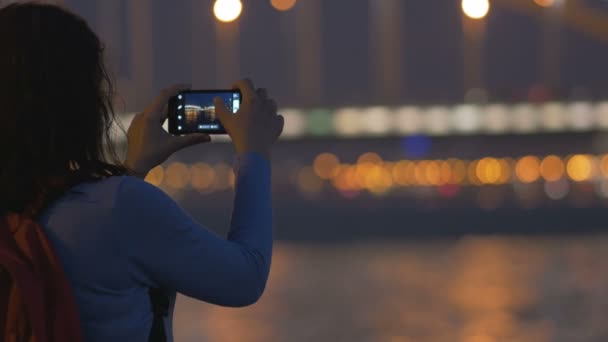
<point x="477" y="289"/>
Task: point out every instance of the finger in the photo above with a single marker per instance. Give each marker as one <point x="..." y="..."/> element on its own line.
<point x="281" y="124"/>
<point x="222" y="112"/>
<point x="184" y="141"/>
<point x="272" y="106"/>
<point x="247" y="89"/>
<point x="154" y="111"/>
<point x="262" y="93"/>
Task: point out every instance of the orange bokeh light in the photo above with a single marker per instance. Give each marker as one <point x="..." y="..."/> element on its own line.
<point x="527" y="169"/>
<point x="580" y="167"/>
<point x="552" y="168"/>
<point x="326" y="165"/>
<point x="155" y="176"/>
<point x="283" y="5"/>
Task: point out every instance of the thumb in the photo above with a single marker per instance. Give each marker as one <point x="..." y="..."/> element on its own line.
<point x="221" y="111"/>
<point x="188" y="140"/>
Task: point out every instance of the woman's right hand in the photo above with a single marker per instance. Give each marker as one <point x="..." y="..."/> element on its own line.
<point x="256" y="126"/>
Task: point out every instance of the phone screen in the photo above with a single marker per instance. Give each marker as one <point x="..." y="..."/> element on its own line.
<point x="194" y="112"/>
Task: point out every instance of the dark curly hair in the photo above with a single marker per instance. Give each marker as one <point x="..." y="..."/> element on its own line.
<point x="56" y="110"/>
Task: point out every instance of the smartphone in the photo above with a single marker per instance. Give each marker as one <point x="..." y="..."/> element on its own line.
<point x="193" y="111"/>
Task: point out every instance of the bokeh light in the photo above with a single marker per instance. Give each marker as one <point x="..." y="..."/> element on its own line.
<point x="544" y="3"/>
<point x="527" y="169"/>
<point x="580" y="167"/>
<point x="369" y="157"/>
<point x="552" y="168"/>
<point x="489" y="170"/>
<point x="227" y="10"/>
<point x="177" y="175"/>
<point x="475" y="9"/>
<point x="223" y="176"/>
<point x="604" y="165"/>
<point x="202" y="177"/>
<point x="326" y="165"/>
<point x="558" y="189"/>
<point x="283" y="5"/>
<point x="155" y="176"/>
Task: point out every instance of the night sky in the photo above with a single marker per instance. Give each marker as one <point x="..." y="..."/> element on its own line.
<point x="432" y="41"/>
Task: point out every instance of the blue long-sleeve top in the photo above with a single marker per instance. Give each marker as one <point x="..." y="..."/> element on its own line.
<point x="120" y="236"/>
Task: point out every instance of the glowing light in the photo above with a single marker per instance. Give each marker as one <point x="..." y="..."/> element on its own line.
<point x="308" y="182"/>
<point x="156" y="175"/>
<point x="403" y="172"/>
<point x="420" y="173"/>
<point x="227" y="10"/>
<point x="601" y="115"/>
<point x="582" y="117"/>
<point x="409" y="120"/>
<point x="527" y="169"/>
<point x="544" y="3"/>
<point x="202" y="177"/>
<point x="347" y="122"/>
<point x="433" y="173"/>
<point x="466" y="119"/>
<point x="580" y="167"/>
<point x="552" y="168"/>
<point x="458" y="170"/>
<point x="378" y="180"/>
<point x="445" y="172"/>
<point x="295" y="123"/>
<point x="489" y="171"/>
<point x="223" y="176"/>
<point x="505" y="173"/>
<point x="472" y="173"/>
<point x="475" y="9"/>
<point x="283" y="5"/>
<point x="496" y="119"/>
<point x="326" y="165"/>
<point x="604" y="165"/>
<point x="377" y="121"/>
<point x="437" y="121"/>
<point x="346" y="180"/>
<point x="524" y="118"/>
<point x="553" y="117"/>
<point x="369" y="157"/>
<point x="320" y="122"/>
<point x="177" y="175"/>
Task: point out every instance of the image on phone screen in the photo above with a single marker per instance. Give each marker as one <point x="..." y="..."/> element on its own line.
<point x="194" y="111"/>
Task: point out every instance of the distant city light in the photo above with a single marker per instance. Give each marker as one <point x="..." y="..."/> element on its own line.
<point x="177" y="176"/>
<point x="552" y="168"/>
<point x="476" y="9"/>
<point x="347" y="122"/>
<point x="527" y="169"/>
<point x="202" y="177"/>
<point x="496" y="119"/>
<point x="283" y="5"/>
<point x="326" y="165"/>
<point x="544" y="3"/>
<point x="580" y="168"/>
<point x="156" y="175"/>
<point x="295" y="123"/>
<point x="227" y="10"/>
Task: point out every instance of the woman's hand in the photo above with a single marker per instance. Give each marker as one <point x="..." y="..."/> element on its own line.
<point x="148" y="143"/>
<point x="256" y="126"/>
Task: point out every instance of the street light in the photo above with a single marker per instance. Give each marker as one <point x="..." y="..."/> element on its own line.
<point x="476" y="9"/>
<point x="227" y="10"/>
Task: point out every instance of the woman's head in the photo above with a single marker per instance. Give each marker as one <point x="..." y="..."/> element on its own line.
<point x="55" y="105"/>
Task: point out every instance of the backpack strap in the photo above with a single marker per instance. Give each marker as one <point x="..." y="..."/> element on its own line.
<point x="160" y="309"/>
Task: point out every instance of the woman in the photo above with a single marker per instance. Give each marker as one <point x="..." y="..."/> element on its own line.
<point x="117" y="236"/>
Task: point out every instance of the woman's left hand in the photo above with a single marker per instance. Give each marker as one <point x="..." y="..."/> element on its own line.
<point x="148" y="143"/>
